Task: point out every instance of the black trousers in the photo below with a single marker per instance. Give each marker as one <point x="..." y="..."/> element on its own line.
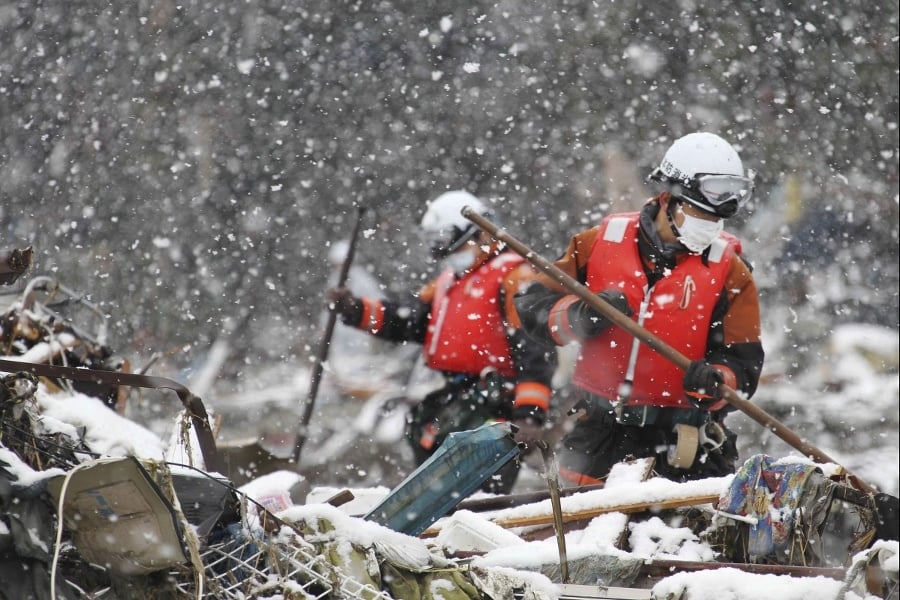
<point x="598" y="441"/>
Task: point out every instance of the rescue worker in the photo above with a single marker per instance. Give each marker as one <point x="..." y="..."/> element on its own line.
<point x="466" y="322"/>
<point x="672" y="268"/>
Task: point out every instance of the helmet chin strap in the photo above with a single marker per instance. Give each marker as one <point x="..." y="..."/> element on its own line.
<point x="660" y="253"/>
<point x="670" y="210"/>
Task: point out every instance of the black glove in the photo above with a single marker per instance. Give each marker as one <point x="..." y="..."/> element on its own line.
<point x="348" y="306"/>
<point x="702" y="384"/>
<point x="529" y="421"/>
<point x="587" y="322"/>
<point x="532" y="413"/>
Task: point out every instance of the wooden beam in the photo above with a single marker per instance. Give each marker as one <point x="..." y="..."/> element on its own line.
<point x="590" y="513"/>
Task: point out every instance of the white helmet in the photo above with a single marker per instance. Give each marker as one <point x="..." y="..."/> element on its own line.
<point x="337" y="254"/>
<point x="443" y="224"/>
<point x="704" y="170"/>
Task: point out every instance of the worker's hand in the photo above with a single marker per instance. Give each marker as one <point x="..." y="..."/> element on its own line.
<point x="344" y="302"/>
<point x="703" y="384"/>
<point x="588" y="322"/>
<point x="529" y="421"/>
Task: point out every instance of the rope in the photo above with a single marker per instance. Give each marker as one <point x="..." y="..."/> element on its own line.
<point x="191" y="540"/>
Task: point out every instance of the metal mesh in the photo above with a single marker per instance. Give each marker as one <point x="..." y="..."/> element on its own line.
<point x="250" y="567"/>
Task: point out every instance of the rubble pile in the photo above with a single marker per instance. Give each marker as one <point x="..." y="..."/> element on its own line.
<point x="139" y="528"/>
<point x="86" y="517"/>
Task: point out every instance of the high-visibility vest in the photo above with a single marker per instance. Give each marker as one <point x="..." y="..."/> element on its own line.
<point x="678" y="310"/>
<point x="466" y="330"/>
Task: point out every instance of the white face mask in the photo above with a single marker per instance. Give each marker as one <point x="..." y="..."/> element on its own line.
<point x="697" y="234"/>
<point x="462" y="259"/>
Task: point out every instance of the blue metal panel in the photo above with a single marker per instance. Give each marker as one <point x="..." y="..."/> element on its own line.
<point x="460" y="465"/>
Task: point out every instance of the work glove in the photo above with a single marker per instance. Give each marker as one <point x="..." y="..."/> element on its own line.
<point x="587" y="322"/>
<point x="345" y="303"/>
<point x="703" y="384"/>
<point x="529" y="421"/>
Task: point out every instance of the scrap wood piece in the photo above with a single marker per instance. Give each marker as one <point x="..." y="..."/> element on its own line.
<point x="629" y="508"/>
<point x="491" y="503"/>
<point x="603" y="592"/>
<point x="15" y="262"/>
<point x="620" y="476"/>
<point x="339" y="499"/>
<point x="622" y="495"/>
<point x="551" y="466"/>
<point x="660" y="567"/>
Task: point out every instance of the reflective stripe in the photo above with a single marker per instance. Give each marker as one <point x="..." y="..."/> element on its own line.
<point x="578" y="478"/>
<point x="435" y="332"/>
<point x="532" y="393"/>
<point x="373" y="315"/>
<point x="624" y="390"/>
<point x="615" y="229"/>
<point x="558" y="321"/>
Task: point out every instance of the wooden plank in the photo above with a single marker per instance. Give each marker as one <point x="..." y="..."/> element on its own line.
<point x="512" y="500"/>
<point x="629" y="475"/>
<point x="602" y="592"/>
<point x="632" y="508"/>
<point x="663" y="568"/>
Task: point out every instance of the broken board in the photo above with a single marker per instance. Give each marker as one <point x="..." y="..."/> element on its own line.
<point x="119" y="517"/>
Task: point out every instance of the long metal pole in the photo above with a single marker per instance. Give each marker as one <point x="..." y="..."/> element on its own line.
<point x="325" y="344"/>
<point x="551" y="466"/>
<point x="609" y="312"/>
